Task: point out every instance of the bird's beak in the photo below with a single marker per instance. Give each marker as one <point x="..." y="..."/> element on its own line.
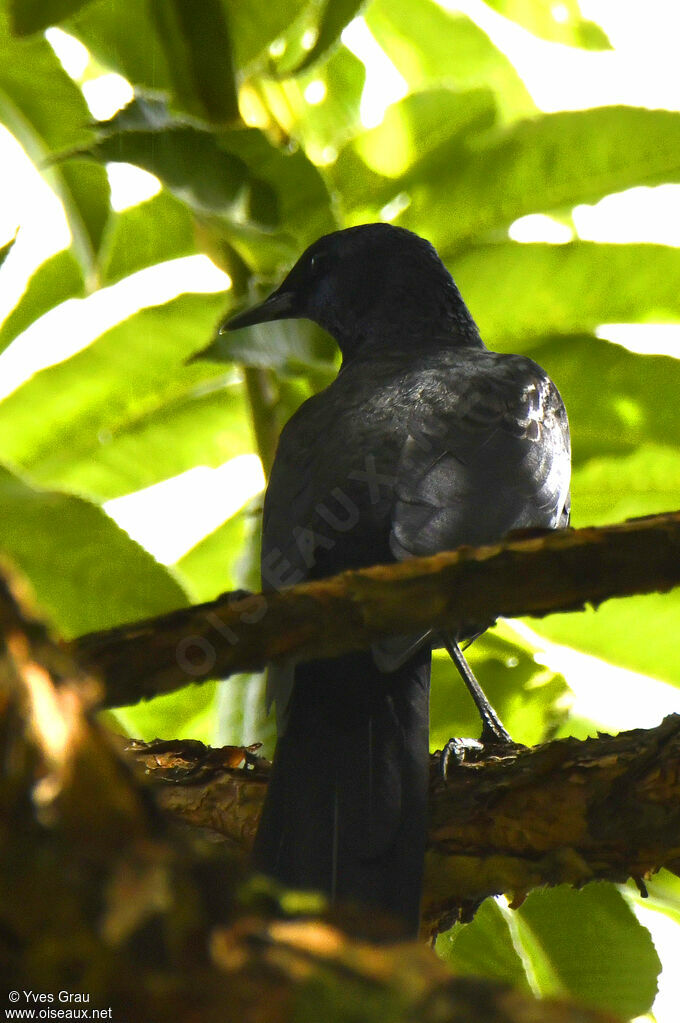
<point x="280" y="305"/>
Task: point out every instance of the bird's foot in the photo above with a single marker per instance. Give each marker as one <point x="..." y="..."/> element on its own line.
<point x="495" y="741"/>
<point x="494" y="733"/>
<point x="459" y="750"/>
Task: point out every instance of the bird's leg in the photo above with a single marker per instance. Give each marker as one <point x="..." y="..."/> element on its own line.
<point x="492" y="728"/>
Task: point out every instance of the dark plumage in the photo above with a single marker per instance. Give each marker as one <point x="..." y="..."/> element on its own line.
<point x="424" y="441"/>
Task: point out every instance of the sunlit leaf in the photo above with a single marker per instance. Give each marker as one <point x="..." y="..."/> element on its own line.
<point x="57" y="280"/>
<point x="598" y="954"/>
<point x="420" y="125"/>
<point x="48" y="115"/>
<point x="187" y="713"/>
<point x="260" y="22"/>
<point x="126" y="411"/>
<point x="664" y="894"/>
<point x="484" y="947"/>
<point x="133" y="46"/>
<point x="424" y="128"/>
<point x="540" y="164"/>
<point x="6" y="249"/>
<point x="432" y="46"/>
<point x="34" y="15"/>
<point x="237" y="181"/>
<point x="517" y="291"/>
<point x="211" y="567"/>
<point x="86" y="572"/>
<point x="558" y="22"/>
<point x="626" y="441"/>
<point x="638" y="633"/>
<point x="334" y="16"/>
<point x="320" y="127"/>
<point x="160" y="228"/>
<point x="196" y="41"/>
<point x="617" y="401"/>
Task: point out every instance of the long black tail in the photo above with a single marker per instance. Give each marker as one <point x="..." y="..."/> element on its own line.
<point x="346" y="806"/>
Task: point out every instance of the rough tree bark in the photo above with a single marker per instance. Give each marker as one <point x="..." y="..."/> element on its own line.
<point x="98" y="895"/>
<point x="534" y="575"/>
<point x="98" y="883"/>
<point x="567" y="812"/>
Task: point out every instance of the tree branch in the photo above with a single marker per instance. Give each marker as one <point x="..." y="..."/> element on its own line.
<point x="535" y="575"/>
<point x="99" y="895"/>
<point x="567" y="812"/>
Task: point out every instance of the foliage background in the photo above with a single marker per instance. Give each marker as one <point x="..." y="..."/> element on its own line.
<point x="251" y="119"/>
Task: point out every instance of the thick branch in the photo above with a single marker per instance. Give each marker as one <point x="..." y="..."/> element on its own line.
<point x="567" y="812"/>
<point x="560" y="571"/>
<point x="98" y="895"/>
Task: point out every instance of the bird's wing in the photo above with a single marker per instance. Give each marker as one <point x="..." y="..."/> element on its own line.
<point x="289" y="496"/>
<point x="327" y="508"/>
<point x="491" y="456"/>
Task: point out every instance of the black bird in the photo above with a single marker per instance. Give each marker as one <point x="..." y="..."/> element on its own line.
<point x="424" y="441"/>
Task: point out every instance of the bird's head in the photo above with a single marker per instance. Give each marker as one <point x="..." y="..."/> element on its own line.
<point x="369" y="286"/>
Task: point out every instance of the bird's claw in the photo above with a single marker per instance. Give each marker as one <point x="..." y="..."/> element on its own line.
<point x="458" y="749"/>
<point x="494" y="734"/>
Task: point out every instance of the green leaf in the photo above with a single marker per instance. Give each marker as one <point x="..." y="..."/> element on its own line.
<point x="289" y="347"/>
<point x="484" y="948"/>
<point x="86" y="572"/>
<point x="537" y="165"/>
<point x="35" y="15"/>
<point x="229" y="559"/>
<point x="188" y="713"/>
<point x="325" y="125"/>
<point x="159" y="229"/>
<point x="420" y="124"/>
<point x="570" y="28"/>
<point x="6" y="249"/>
<point x="133" y="46"/>
<point x="334" y="17"/>
<point x="525" y="694"/>
<point x="58" y="279"/>
<point x="196" y="164"/>
<point x="646" y="482"/>
<point x="203" y="423"/>
<point x="48" y="115"/>
<point x="126" y="411"/>
<point x="432" y="46"/>
<point x="615" y="403"/>
<point x="304" y="207"/>
<point x="588" y="945"/>
<point x="626" y="445"/>
<point x="517" y="291"/>
<point x="238" y="182"/>
<point x="424" y="128"/>
<point x="127" y="44"/>
<point x="197" y="46"/>
<point x="664" y="894"/>
<point x="256" y="24"/>
<point x="212" y="566"/>
<point x="638" y="633"/>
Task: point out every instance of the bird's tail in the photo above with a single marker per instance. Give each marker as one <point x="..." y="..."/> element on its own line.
<point x="346" y="806"/>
